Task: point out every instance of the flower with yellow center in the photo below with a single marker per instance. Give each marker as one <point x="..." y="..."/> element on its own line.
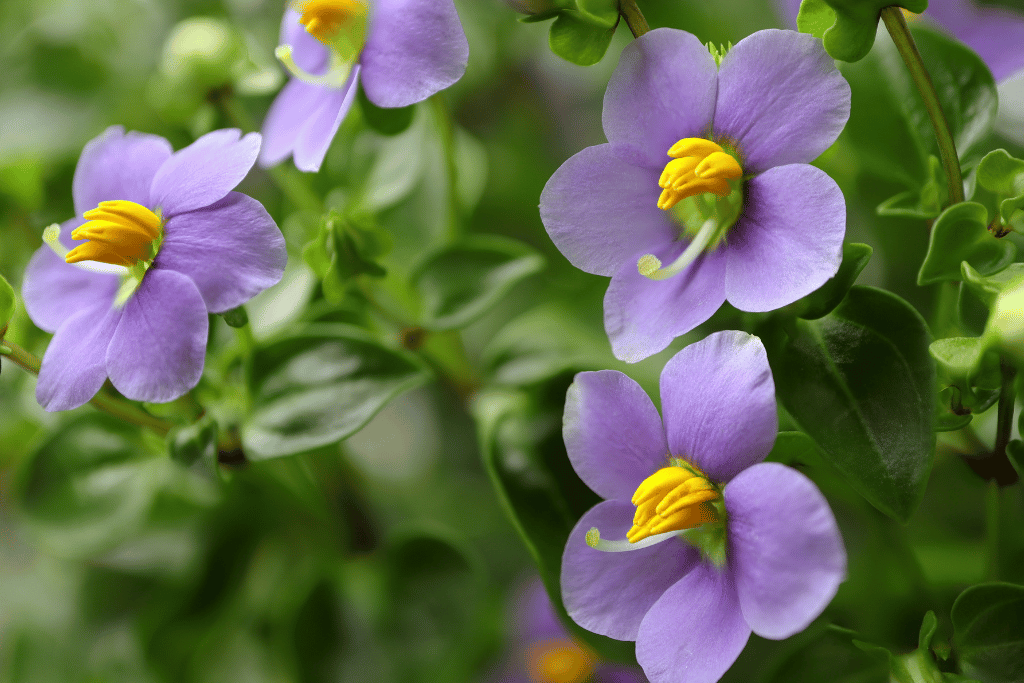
<point x="400" y="52"/>
<point x="161" y="242"/>
<point x="698" y="542"/>
<point x="734" y="212"/>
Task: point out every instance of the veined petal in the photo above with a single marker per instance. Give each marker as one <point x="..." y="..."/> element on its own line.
<point x="785" y="549"/>
<point x="782" y="98"/>
<point x="995" y="33"/>
<point x="203" y="172"/>
<point x="74" y="365"/>
<point x="789" y="239"/>
<point x="287" y="117"/>
<point x="117" y="165"/>
<point x="613" y="433"/>
<point x="231" y="250"/>
<point x="609" y="593"/>
<point x="695" y="631"/>
<point x="54" y="290"/>
<point x="156" y="353"/>
<point x="718" y="402"/>
<point x="599" y="210"/>
<point x="643" y="316"/>
<point x="414" y="48"/>
<point x="662" y="91"/>
<point x="319" y="129"/>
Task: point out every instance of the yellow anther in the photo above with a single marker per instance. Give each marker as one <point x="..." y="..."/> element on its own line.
<point x="559" y="660"/>
<point x="325" y="19"/>
<point x="672" y="499"/>
<point x="118" y="232"/>
<point x="697" y="166"/>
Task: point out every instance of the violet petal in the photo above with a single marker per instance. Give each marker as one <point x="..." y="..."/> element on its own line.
<point x="613" y="433"/>
<point x="156" y="353"/>
<point x="74" y="365"/>
<point x="788" y="241"/>
<point x="117" y="165"/>
<point x="309" y="54"/>
<point x="662" y="91"/>
<point x="609" y="593"/>
<point x="718" y="402"/>
<point x="782" y="98"/>
<point x="286" y="118"/>
<point x="995" y="33"/>
<point x="643" y="316"/>
<point x="318" y="131"/>
<point x="203" y="172"/>
<point x="599" y="210"/>
<point x="695" y="631"/>
<point x="54" y="290"/>
<point x="784" y="548"/>
<point x="231" y="250"/>
<point x="414" y="49"/>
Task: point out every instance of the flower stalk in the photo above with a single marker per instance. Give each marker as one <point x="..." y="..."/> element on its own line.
<point x="896" y="24"/>
<point x="634" y="18"/>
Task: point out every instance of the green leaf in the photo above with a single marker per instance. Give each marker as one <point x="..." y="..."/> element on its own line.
<point x="822" y="301"/>
<point x="577" y="40"/>
<point x="599" y="12"/>
<point x="524" y="455"/>
<point x="190" y="443"/>
<point x="385" y="121"/>
<point x="462" y="281"/>
<point x="851" y="36"/>
<point x="860" y="382"/>
<point x="961" y="234"/>
<point x="1003" y="175"/>
<point x="988" y="632"/>
<point x="320" y="387"/>
<point x="343" y="248"/>
<point x="92" y="485"/>
<point x="815" y="17"/>
<point x="7" y="304"/>
<point x="826" y="654"/>
<point x="923" y="203"/>
<point x="236" y="317"/>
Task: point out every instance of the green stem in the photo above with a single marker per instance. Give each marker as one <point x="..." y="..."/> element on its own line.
<point x="900" y="32"/>
<point x="286" y="179"/>
<point x="1007" y="396"/>
<point x="103" y="400"/>
<point x="634" y="18"/>
<point x="447" y="131"/>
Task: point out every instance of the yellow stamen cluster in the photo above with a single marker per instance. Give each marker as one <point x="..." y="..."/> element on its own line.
<point x="672" y="499"/>
<point x="697" y="166"/>
<point x="324" y="19"/>
<point x="119" y="232"/>
<point x="559" y="660"/>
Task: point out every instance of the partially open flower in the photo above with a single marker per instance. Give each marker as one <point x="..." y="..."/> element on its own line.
<point x="698" y="542"/>
<point x="403" y="51"/>
<point x="162" y="241"/>
<point x="704" y="192"/>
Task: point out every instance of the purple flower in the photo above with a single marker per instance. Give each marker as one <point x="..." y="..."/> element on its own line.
<point x="719" y="543"/>
<point x="543" y="652"/>
<point x="163" y="242"/>
<point x="403" y="51"/>
<point x="736" y="211"/>
<point x="995" y="33"/>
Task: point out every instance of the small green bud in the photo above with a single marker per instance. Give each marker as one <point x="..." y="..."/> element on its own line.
<point x="236" y="317"/>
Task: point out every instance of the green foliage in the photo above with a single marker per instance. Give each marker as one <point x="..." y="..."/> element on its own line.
<point x="385" y="121"/>
<point x="464" y="280"/>
<point x="961" y="234"/>
<point x="860" y="383"/>
<point x="988" y="626"/>
<point x="343" y="249"/>
<point x="320" y="386"/>
<point x="851" y="24"/>
<point x="189" y="443"/>
<point x="823" y="301"/>
<point x="576" y="39"/>
<point x="7" y="304"/>
<point x="1003" y="175"/>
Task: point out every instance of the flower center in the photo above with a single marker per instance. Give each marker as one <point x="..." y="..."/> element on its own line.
<point x="674" y="498"/>
<point x="677" y="501"/>
<point x="560" y="660"/>
<point x="118" y="232"/>
<point x="702" y="187"/>
<point x="340" y="25"/>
